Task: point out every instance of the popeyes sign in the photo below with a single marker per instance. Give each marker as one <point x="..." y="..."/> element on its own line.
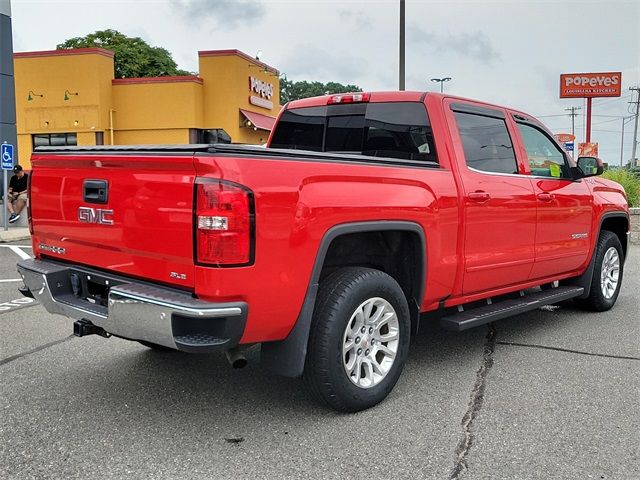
<point x="263" y="88"/>
<point x="581" y="85"/>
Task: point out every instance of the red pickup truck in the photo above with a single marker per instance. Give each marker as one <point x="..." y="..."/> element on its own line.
<point x="365" y="211"/>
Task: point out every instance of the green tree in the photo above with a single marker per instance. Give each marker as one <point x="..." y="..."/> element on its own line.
<point x="290" y="90"/>
<point x="133" y="56"/>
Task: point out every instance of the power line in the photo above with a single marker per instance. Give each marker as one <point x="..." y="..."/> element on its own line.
<point x="602" y="130"/>
<point x="616" y="119"/>
<point x="564" y="115"/>
<point x="609" y="100"/>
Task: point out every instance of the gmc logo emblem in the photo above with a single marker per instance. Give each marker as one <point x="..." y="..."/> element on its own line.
<point x="95" y="215"/>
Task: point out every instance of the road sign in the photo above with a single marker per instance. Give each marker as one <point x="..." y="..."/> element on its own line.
<point x="588" y="149"/>
<point x="580" y="85"/>
<point x="565" y="137"/>
<point x="7" y="156"/>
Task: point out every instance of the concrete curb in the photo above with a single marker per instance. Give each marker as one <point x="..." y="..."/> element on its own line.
<point x="14" y="234"/>
<point x="635" y="225"/>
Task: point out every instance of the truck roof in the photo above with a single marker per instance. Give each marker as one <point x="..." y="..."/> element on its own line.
<point x="396" y="96"/>
<point x="389" y="96"/>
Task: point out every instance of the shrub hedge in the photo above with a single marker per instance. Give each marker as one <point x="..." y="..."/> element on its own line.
<point x="629" y="181"/>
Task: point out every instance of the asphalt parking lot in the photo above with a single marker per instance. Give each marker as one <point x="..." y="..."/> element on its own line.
<point x="549" y="394"/>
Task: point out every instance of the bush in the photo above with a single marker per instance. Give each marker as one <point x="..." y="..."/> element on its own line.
<point x="629" y="181"/>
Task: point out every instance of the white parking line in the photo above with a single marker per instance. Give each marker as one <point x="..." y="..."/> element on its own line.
<point x="19" y="246"/>
<point x="10" y="280"/>
<point x="17" y="304"/>
<point x="23" y="255"/>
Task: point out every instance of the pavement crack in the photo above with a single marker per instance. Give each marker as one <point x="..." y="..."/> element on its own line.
<point x="35" y="350"/>
<point x="475" y="404"/>
<point x="568" y="350"/>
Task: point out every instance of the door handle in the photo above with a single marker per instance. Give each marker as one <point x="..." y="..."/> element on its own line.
<point x="546" y="197"/>
<point x="95" y="191"/>
<point x="479" y="196"/>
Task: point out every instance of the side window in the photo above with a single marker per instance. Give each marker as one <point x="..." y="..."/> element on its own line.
<point x="399" y="130"/>
<point x="545" y="158"/>
<point x="486" y="143"/>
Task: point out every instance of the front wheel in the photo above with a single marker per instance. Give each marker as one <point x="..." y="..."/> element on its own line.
<point x="359" y="339"/>
<point x="607" y="274"/>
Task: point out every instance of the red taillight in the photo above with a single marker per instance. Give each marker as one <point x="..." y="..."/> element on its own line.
<point x="223" y="224"/>
<point x="348" y="98"/>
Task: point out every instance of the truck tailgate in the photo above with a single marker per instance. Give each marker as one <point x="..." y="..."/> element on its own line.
<point x="142" y="227"/>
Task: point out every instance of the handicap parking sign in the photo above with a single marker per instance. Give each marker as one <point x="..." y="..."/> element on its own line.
<point x="6" y="152"/>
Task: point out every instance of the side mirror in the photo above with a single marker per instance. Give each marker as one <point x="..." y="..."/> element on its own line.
<point x="590" y="166"/>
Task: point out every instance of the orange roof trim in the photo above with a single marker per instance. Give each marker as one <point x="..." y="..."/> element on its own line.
<point x="175" y="79"/>
<point x="249" y="58"/>
<point x="73" y="51"/>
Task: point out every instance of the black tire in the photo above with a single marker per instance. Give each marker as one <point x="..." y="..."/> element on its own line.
<point x="340" y="294"/>
<point x="155" y="346"/>
<point x="597" y="301"/>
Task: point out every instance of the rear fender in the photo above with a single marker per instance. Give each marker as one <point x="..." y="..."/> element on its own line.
<point x="287" y="357"/>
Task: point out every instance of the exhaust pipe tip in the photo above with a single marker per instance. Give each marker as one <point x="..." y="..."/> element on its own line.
<point x="235" y="358"/>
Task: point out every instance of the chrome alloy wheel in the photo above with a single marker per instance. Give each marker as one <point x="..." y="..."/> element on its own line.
<point x="370" y="342"/>
<point x="609" y="273"/>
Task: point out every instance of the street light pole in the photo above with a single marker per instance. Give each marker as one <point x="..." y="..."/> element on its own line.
<point x="441" y="81"/>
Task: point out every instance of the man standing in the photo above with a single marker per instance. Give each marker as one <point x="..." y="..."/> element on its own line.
<point x="17" y="193"/>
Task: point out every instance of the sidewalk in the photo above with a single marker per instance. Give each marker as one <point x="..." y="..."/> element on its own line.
<point x="14" y="234"/>
<point x="17" y="231"/>
<point x="635" y="225"/>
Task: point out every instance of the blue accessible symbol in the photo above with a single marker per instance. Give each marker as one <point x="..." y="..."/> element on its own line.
<point x="7" y="156"/>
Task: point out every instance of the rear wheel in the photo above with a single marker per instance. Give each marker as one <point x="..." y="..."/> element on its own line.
<point x="359" y="339"/>
<point x="607" y="274"/>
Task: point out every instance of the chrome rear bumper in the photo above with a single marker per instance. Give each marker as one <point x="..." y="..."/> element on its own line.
<point x="136" y="310"/>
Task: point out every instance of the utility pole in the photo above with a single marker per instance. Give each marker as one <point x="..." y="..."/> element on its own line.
<point x="573" y="116"/>
<point x="622" y="144"/>
<point x="401" y="60"/>
<point x="625" y="120"/>
<point x="635" y="128"/>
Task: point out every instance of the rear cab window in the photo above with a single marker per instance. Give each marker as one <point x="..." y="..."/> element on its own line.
<point x="486" y="143"/>
<point x="395" y="130"/>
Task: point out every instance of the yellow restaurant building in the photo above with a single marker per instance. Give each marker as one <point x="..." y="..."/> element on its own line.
<point x="70" y="97"/>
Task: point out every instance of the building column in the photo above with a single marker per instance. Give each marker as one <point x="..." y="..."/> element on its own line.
<point x="7" y="85"/>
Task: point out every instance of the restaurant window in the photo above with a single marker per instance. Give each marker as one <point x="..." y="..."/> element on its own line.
<point x="213" y="135"/>
<point x="54" y="139"/>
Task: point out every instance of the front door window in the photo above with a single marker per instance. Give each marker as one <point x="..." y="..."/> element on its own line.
<point x="544" y="156"/>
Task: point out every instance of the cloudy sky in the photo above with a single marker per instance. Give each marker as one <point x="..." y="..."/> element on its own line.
<point x="505" y="52"/>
